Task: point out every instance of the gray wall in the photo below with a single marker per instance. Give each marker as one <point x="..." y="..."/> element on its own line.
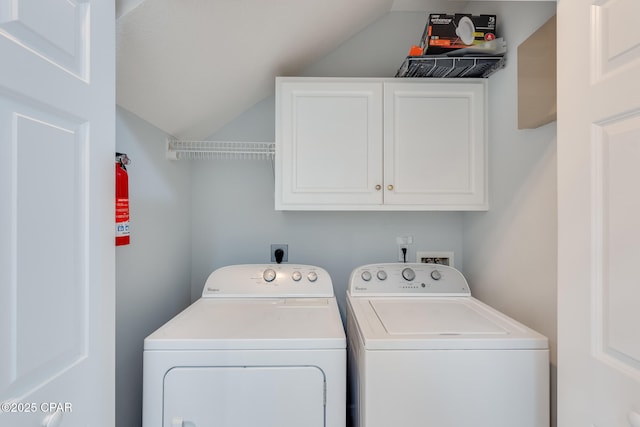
<point x="234" y="222"/>
<point x="153" y="273"/>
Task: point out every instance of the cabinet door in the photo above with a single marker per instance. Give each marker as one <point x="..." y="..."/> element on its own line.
<point x="435" y="145"/>
<point x="328" y="144"/>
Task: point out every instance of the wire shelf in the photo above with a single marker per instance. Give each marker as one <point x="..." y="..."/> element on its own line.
<point x="438" y="66"/>
<point x="219" y="150"/>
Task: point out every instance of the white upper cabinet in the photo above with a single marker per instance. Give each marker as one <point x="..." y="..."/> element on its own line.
<point x="328" y="143"/>
<point x="434" y="145"/>
<point x="380" y="144"/>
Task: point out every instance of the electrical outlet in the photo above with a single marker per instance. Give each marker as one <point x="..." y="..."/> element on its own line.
<point x="285" y="251"/>
<point x="443" y="258"/>
<point x="402" y="257"/>
<point x="403" y="242"/>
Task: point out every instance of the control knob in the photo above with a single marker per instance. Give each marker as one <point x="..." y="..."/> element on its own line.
<point x="269" y="275"/>
<point x="436" y="275"/>
<point x="296" y="276"/>
<point x="408" y="274"/>
<point x="366" y="275"/>
<point x="382" y="275"/>
<point x="312" y="276"/>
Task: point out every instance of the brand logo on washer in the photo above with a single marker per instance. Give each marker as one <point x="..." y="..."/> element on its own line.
<point x="213" y="289"/>
<point x="358" y="288"/>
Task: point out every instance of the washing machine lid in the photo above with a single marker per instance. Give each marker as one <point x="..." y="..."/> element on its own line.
<point x="252" y="323"/>
<point x="438" y="323"/>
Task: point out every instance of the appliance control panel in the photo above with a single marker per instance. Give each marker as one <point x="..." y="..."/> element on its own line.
<point x="269" y="280"/>
<point x="404" y="279"/>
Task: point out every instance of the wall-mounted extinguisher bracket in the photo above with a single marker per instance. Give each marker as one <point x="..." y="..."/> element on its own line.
<point x="122" y="200"/>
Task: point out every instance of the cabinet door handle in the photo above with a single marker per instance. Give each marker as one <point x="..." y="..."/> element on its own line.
<point x="378" y="187"/>
<point x="390" y="187"/>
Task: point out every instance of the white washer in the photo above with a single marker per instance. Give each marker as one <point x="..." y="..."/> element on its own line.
<point x="424" y="352"/>
<point x="265" y="345"/>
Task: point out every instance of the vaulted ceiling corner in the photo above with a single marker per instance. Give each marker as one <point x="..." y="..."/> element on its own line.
<point x="190" y="66"/>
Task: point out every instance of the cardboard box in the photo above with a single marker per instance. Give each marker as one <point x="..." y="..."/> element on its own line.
<point x="445" y="33"/>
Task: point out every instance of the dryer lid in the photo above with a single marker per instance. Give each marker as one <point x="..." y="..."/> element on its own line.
<point x="252" y="324"/>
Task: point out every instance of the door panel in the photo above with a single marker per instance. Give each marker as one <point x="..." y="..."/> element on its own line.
<point x="60" y="41"/>
<point x="617" y="210"/>
<point x="244" y="396"/>
<point x="617" y="40"/>
<point x="46" y="223"/>
<point x="441" y="162"/>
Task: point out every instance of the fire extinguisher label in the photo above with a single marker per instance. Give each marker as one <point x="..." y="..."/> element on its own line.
<point x="122" y="217"/>
<point x="122" y="229"/>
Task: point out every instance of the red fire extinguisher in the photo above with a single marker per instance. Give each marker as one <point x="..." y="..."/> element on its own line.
<point x="122" y="200"/>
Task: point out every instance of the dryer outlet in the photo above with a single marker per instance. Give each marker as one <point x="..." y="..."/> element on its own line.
<point x="282" y="247"/>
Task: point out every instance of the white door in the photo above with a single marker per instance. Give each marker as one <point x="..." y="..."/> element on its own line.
<point x="57" y="146"/>
<point x="598" y="213"/>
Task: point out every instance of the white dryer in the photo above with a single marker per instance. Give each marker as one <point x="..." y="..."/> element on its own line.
<point x="265" y="345"/>
<point x="424" y="352"/>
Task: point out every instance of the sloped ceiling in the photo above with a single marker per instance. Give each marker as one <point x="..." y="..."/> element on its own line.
<point x="190" y="66"/>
